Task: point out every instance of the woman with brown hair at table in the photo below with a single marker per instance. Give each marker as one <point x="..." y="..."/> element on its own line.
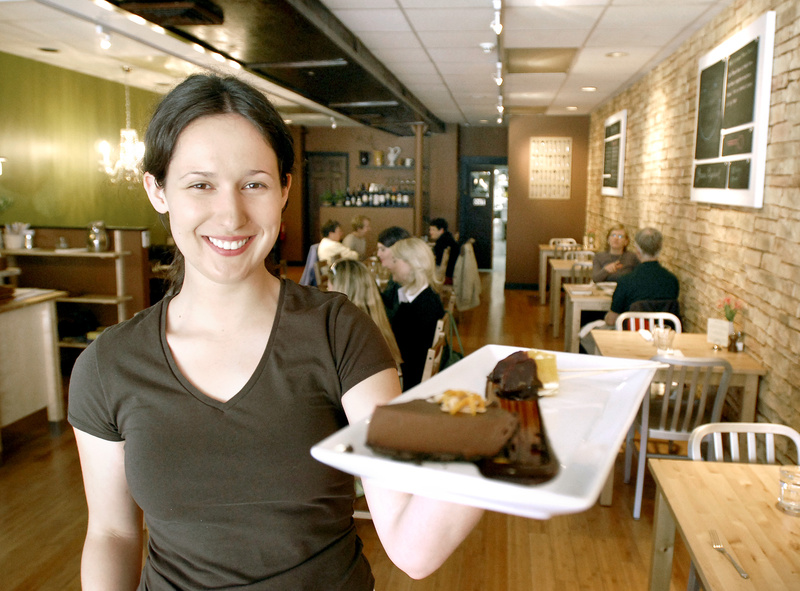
<point x="616" y="261"/>
<point x="200" y="412"/>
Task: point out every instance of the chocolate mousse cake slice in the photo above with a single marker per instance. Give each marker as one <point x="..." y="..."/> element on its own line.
<point x="420" y="430"/>
<point x="515" y="383"/>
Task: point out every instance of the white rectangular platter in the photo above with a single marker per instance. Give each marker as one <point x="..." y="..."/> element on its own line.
<point x="586" y="421"/>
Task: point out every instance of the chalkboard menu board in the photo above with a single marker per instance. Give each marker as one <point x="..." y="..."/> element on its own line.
<point x="740" y="87"/>
<point x="614" y="154"/>
<point x="733" y="92"/>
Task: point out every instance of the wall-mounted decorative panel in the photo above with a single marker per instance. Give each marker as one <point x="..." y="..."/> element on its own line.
<point x="550" y="174"/>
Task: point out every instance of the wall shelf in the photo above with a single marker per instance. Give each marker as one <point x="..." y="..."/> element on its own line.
<point x="385" y="167"/>
<point x="112" y="283"/>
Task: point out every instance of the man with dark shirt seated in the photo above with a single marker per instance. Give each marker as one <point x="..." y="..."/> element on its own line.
<point x="443" y="238"/>
<point x="648" y="281"/>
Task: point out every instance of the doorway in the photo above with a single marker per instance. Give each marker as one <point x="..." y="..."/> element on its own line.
<point x="326" y="173"/>
<point x="483" y="208"/>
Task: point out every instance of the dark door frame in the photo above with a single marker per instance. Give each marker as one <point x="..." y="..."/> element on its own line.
<point x="312" y="205"/>
<point x="466" y="165"/>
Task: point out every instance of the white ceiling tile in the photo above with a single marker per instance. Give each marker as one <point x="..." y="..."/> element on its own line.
<point x="393" y="55"/>
<point x="665" y="15"/>
<point x="551" y="17"/>
<point x="594" y="60"/>
<point x="467" y="56"/>
<point x="355" y="4"/>
<point x="426" y="68"/>
<point x="440" y="19"/>
<point x="545" y="38"/>
<point x="541" y="3"/>
<point x="378" y="20"/>
<point x="449" y="4"/>
<point x="453" y="39"/>
<point x="469" y="68"/>
<point x="397" y="40"/>
<point x="632" y="36"/>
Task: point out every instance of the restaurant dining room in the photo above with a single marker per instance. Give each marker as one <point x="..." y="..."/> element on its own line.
<point x="627" y="177"/>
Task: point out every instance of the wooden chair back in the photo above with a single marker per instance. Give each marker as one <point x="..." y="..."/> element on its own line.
<point x="433" y="360"/>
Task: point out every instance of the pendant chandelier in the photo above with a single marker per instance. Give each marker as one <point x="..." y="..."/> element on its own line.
<point x="131" y="150"/>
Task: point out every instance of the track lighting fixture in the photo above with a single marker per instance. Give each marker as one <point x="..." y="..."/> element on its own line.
<point x="496" y="25"/>
<point x="498" y="76"/>
<point x="104" y="38"/>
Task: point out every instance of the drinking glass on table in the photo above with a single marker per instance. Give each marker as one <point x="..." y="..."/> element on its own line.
<point x="663" y="337"/>
<point x="789" y="499"/>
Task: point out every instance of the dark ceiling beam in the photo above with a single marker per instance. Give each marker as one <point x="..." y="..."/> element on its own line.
<point x="326" y="22"/>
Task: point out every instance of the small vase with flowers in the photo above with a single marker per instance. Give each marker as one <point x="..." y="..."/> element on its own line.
<point x="730" y="307"/>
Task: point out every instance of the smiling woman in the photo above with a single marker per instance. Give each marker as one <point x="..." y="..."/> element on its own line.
<point x="200" y="412"/>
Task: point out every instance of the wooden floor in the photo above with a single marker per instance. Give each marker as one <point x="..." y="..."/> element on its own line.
<point x="43" y="511"/>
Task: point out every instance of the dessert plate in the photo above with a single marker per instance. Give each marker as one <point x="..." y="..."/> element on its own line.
<point x="586" y="421"/>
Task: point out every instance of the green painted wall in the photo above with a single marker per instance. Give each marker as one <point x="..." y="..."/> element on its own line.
<point x="50" y="123"/>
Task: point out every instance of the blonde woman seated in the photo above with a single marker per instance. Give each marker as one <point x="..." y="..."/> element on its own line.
<point x="616" y="261"/>
<point x="419" y="307"/>
<point x="353" y="279"/>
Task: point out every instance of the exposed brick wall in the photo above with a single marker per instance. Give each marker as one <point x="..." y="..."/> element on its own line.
<point x="717" y="251"/>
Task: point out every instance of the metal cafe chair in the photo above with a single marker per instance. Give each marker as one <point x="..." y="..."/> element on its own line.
<point x="686" y="401"/>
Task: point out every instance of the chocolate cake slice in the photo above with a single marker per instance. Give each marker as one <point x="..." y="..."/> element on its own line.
<point x="419" y="430"/>
<point x="515" y="384"/>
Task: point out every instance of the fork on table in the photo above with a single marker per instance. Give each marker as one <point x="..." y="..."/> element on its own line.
<point x="717" y="544"/>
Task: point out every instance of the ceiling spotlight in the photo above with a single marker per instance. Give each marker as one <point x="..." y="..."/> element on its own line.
<point x="589" y="88"/>
<point x="572" y="108"/>
<point x="496" y="25"/>
<point x="487" y="47"/>
<point x="333" y="123"/>
<point x="498" y="76"/>
<point x="105" y="38"/>
<point x="500" y="119"/>
<point x="616" y="54"/>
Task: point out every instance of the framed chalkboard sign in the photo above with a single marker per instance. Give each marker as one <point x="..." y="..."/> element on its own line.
<point x="733" y="92"/>
<point x="614" y="154"/>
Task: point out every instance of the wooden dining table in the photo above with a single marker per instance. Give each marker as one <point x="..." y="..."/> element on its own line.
<point x="747" y="371"/>
<point x="580" y="298"/>
<point x="739" y="502"/>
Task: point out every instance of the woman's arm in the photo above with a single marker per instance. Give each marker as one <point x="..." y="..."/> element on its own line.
<point x="418" y="533"/>
<point x="112" y="552"/>
<point x="599" y="272"/>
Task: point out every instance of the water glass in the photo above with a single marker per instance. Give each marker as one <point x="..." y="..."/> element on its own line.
<point x="663" y="337"/>
<point x="789" y="499"/>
